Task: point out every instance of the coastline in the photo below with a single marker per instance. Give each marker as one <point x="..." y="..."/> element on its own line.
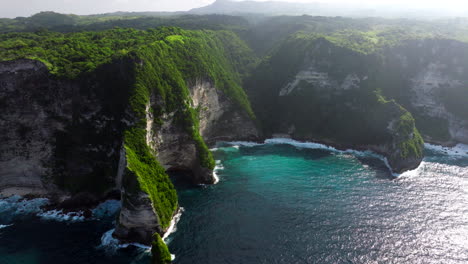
<point x="353" y="149"/>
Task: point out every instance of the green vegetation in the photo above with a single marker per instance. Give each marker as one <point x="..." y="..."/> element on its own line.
<point x="215" y="55"/>
<point x="163" y="70"/>
<point x="51" y="21"/>
<point x="322" y="107"/>
<point x="413" y="146"/>
<point x="163" y="64"/>
<point x="151" y="176"/>
<point x="160" y="252"/>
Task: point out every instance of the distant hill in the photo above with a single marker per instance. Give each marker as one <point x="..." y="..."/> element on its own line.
<point x="318" y="9"/>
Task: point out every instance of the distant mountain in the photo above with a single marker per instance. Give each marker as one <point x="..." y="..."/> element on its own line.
<point x="273" y="8"/>
<point x="318" y="9"/>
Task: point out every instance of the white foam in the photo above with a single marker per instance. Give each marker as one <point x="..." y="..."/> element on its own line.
<point x="313" y="145"/>
<point x="219" y="166"/>
<point x="60" y="216"/>
<point x="460" y="150"/>
<point x="110" y="243"/>
<point x="244" y="143"/>
<point x="173" y="226"/>
<point x="413" y="173"/>
<point x="4" y="226"/>
<point x="299" y="144"/>
<point x="215" y="176"/>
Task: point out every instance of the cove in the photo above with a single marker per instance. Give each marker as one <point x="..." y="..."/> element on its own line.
<point x="278" y="203"/>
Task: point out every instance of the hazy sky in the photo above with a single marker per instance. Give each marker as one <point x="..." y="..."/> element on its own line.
<point x="14" y="8"/>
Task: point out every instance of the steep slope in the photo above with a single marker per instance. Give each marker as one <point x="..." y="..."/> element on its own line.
<point x="430" y="78"/>
<point x="312" y="89"/>
<point x="119" y="119"/>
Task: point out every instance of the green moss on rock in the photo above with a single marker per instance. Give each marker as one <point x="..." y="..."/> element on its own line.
<point x="160" y="252"/>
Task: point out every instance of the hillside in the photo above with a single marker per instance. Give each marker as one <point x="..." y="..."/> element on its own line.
<point x="93" y="106"/>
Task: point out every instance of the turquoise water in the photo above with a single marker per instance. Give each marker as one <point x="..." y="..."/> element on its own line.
<point x="284" y="204"/>
<point x="276" y="203"/>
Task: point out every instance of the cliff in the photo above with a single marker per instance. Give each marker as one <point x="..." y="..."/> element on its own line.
<point x="318" y="91"/>
<point x="85" y="115"/>
<point x="429" y="77"/>
<point x="78" y="136"/>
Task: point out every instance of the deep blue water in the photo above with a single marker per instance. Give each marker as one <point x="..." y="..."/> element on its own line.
<point x="284" y="204"/>
<point x="279" y="203"/>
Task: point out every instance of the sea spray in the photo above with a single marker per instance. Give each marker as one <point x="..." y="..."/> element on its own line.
<point x="173" y="226"/>
<point x="216" y="169"/>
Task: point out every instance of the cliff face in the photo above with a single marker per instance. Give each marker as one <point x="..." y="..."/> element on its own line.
<point x="57" y="134"/>
<point x="53" y="132"/>
<point x="26" y="141"/>
<point x="429" y="77"/>
<point x="175" y="149"/>
<point x="88" y="129"/>
<point x="314" y="90"/>
<point x="219" y="119"/>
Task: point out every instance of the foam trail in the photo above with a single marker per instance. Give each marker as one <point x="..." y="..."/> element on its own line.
<point x="299" y="144"/>
<point x="173" y="226"/>
<point x="109" y="242"/>
<point x="4" y="226"/>
<point x="244" y="143"/>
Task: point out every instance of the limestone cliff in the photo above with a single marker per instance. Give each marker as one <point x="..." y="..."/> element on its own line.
<point x="77" y="132"/>
<point x="59" y="137"/>
<point x="53" y="132"/>
<point x="429" y="77"/>
<point x="315" y="90"/>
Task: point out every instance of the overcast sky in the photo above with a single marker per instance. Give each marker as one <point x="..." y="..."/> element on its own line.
<point x="14" y="8"/>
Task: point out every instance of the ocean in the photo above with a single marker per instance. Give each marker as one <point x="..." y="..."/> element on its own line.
<point x="278" y="202"/>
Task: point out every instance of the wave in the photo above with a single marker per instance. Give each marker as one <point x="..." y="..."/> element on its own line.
<point x="460" y="150"/>
<point x="244" y="143"/>
<point x="173" y="226"/>
<point x="313" y="145"/>
<point x="112" y="244"/>
<point x="17" y="205"/>
<point x="216" y="169"/>
<point x="60" y="216"/>
<point x="5" y="226"/>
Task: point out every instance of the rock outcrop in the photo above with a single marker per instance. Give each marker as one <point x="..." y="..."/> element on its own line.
<point x="429" y="78"/>
<point x="329" y="94"/>
<point x="219" y="118"/>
